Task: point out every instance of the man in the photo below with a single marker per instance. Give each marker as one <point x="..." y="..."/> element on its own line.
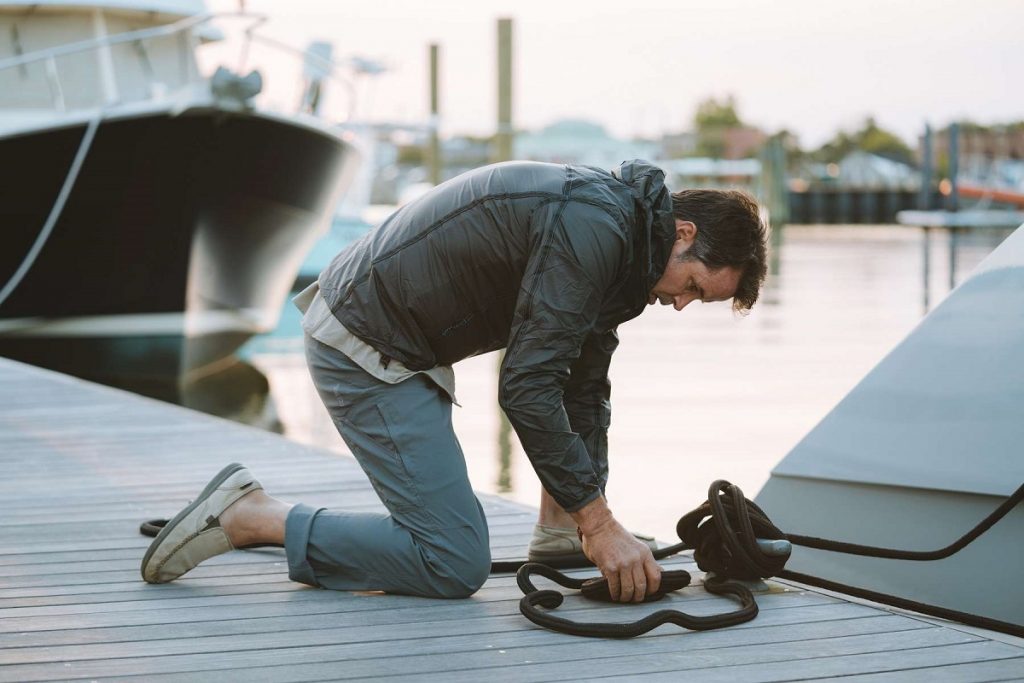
<point x="542" y="259"/>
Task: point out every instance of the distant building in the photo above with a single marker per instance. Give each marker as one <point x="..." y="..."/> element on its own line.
<point x="701" y="172"/>
<point x="863" y="169"/>
<point x="989" y="155"/>
<point x="678" y="145"/>
<point x="984" y="143"/>
<point x="465" y="152"/>
<point x="577" y="141"/>
<point x="742" y="142"/>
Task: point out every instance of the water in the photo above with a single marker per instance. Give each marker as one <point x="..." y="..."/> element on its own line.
<point x="700" y="394"/>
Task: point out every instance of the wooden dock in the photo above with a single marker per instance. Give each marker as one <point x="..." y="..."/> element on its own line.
<point x="82" y="465"/>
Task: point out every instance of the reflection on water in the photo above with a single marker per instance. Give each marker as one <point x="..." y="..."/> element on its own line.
<point x="504" y="480"/>
<point x="702" y="394"/>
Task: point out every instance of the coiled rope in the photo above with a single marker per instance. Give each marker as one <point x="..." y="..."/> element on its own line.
<point x="597" y="589"/>
<point x="723" y="533"/>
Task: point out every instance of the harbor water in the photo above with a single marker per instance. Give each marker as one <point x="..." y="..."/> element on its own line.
<point x="701" y="394"/>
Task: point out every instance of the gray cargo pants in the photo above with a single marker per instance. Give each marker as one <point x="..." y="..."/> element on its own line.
<point x="434" y="542"/>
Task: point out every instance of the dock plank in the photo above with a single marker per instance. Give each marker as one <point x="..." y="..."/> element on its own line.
<point x="972" y="672"/>
<point x="72" y="606"/>
<point x="270" y="622"/>
<point x="513" y="658"/>
<point x="273" y="635"/>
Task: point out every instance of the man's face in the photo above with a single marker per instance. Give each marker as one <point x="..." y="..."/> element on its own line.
<point x="686" y="281"/>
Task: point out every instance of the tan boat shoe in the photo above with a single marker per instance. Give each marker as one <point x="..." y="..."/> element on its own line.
<point x="195" y="533"/>
<point x="562" y="548"/>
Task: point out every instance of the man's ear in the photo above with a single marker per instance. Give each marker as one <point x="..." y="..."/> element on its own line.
<point x="685" y="230"/>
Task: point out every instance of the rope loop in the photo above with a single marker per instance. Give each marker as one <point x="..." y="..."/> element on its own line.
<point x="597" y="589"/>
<point x="723" y="532"/>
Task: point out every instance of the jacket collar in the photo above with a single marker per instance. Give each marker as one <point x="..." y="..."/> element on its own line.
<point x="655" y="225"/>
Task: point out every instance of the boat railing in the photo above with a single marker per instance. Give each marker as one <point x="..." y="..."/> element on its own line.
<point x="186" y="28"/>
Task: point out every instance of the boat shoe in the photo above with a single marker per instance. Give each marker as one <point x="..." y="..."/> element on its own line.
<point x="195" y="533"/>
<point x="562" y="548"/>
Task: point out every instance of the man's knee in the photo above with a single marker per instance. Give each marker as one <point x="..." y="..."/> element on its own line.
<point x="466" y="578"/>
<point x="459" y="567"/>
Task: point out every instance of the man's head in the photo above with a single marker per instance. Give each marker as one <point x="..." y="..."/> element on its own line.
<point x="719" y="252"/>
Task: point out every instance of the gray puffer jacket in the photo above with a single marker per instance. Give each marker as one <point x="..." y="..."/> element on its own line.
<point x="543" y="259"/>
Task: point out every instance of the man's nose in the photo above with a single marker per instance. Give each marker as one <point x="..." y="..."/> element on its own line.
<point x="682" y="300"/>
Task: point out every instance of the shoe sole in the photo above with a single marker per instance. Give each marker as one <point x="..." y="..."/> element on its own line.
<point x="219" y="479"/>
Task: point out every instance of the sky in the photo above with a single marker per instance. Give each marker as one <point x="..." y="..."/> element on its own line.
<point x="640" y="68"/>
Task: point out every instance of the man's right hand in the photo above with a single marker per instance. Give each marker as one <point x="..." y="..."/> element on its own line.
<point x="625" y="562"/>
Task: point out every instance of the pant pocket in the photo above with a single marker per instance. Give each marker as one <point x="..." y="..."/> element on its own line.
<point x="366" y="432"/>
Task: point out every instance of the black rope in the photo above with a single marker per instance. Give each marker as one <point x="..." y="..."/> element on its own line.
<point x="920" y="556"/>
<point x="597" y="589"/>
<point x="723" y="532"/>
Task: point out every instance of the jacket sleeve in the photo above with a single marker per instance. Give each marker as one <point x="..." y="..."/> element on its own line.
<point x="574" y="261"/>
<point x="588" y="398"/>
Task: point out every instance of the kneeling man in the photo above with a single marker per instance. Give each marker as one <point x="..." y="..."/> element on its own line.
<point x="543" y="260"/>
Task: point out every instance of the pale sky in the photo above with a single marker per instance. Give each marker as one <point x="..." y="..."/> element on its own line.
<point x="641" y="67"/>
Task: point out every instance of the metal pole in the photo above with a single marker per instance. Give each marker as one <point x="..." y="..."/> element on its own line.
<point x="780" y="188"/>
<point x="503" y="152"/>
<point x="108" y="80"/>
<point x="434" y="160"/>
<point x="924" y="198"/>
<point x="56" y="92"/>
<point x="926" y="270"/>
<point x="924" y="203"/>
<point x="954" y="195"/>
<point x="954" y="233"/>
<point x="503" y="138"/>
<point x="775" y="196"/>
<point x="954" y="167"/>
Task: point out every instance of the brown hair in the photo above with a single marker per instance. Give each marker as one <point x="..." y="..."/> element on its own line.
<point x="730" y="232"/>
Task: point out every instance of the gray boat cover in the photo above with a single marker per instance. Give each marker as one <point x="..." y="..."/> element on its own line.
<point x="945" y="409"/>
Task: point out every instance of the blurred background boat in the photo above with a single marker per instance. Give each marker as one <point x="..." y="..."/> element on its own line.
<point x="154" y="218"/>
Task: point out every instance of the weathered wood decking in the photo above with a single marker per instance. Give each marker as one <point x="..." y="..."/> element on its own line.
<point x="82" y="465"/>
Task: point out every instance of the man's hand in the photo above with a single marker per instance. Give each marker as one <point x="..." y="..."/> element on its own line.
<point x="625" y="562"/>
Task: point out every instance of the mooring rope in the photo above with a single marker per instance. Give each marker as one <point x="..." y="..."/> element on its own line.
<point x="723" y="533"/>
<point x="55" y="211"/>
<point x="597" y="589"/>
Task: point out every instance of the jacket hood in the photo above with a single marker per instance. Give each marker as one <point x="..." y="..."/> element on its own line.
<point x="655" y="225"/>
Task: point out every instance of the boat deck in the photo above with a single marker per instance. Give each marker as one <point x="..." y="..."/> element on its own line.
<point x="83" y="464"/>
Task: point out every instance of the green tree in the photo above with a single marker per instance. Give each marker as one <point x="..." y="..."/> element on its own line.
<point x="714" y="114"/>
<point x="711" y="121"/>
<point x="870" y="138"/>
<point x="878" y="141"/>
